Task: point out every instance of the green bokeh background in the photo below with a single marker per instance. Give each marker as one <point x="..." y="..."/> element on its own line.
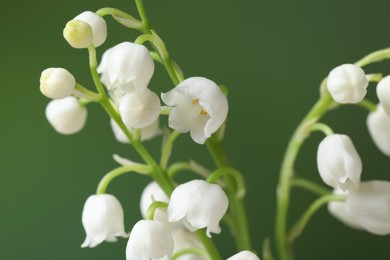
<point x="271" y="54"/>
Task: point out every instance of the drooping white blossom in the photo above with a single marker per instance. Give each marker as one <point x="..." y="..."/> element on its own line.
<point x="378" y="124"/>
<point x="57" y="83"/>
<point x="244" y="255"/>
<point x="383" y="93"/>
<point x="147" y="133"/>
<point x="151" y="193"/>
<point x="198" y="204"/>
<point x="85" y="29"/>
<point x="338" y="162"/>
<point x="368" y="207"/>
<point x="139" y="108"/>
<point x="66" y="115"/>
<point x="149" y="239"/>
<point x="102" y="219"/>
<point x="184" y="239"/>
<point x="347" y="83"/>
<point x="127" y="66"/>
<point x="200" y="107"/>
<point x="339" y="210"/>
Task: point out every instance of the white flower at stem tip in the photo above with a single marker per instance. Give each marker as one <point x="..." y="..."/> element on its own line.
<point x="383" y="93"/>
<point x="150" y="194"/>
<point x="85" y="29"/>
<point x="338" y="162"/>
<point x="198" y="204"/>
<point x="347" y="83"/>
<point x="127" y="66"/>
<point x="66" y="115"/>
<point x="244" y="255"/>
<point x="149" y="239"/>
<point x="103" y="220"/>
<point x="378" y="124"/>
<point x="200" y="107"/>
<point x="147" y="133"/>
<point x="139" y="108"/>
<point x="366" y="208"/>
<point x="57" y="83"/>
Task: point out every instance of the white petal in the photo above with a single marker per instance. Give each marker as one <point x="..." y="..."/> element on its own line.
<point x="244" y="255"/>
<point x="98" y="25"/>
<point x="378" y="124"/>
<point x="151" y="193"/>
<point x="57" y="83"/>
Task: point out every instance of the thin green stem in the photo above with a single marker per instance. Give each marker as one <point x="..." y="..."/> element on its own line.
<point x="374" y="57"/>
<point x="166" y="152"/>
<point x="374" y="77"/>
<point x="314" y="207"/>
<point x="228" y="171"/>
<point x="153" y="207"/>
<point x="106" y="180"/>
<point x="322" y="128"/>
<point x="286" y="172"/>
<point x="310" y="186"/>
<point x="208" y="244"/>
<point x="143" y="15"/>
<point x="367" y="104"/>
<point x="189" y="251"/>
<point x="82" y="92"/>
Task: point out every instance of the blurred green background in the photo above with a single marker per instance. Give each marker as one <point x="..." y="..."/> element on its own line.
<point x="271" y="54"/>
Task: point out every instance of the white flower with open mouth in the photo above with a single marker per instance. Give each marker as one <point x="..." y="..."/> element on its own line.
<point x="200" y="107"/>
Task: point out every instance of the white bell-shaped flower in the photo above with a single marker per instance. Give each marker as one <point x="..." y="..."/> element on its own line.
<point x="367" y="208"/>
<point x="102" y="220"/>
<point x="244" y="255"/>
<point x="198" y="204"/>
<point x="57" y="83"/>
<point x="150" y="194"/>
<point x="147" y="133"/>
<point x="339" y="211"/>
<point x="338" y="162"/>
<point x="66" y="115"/>
<point x="378" y="124"/>
<point x="200" y="107"/>
<point x="85" y="29"/>
<point x="383" y="93"/>
<point x="347" y="83"/>
<point x="126" y="65"/>
<point x="184" y="239"/>
<point x="139" y="108"/>
<point x="149" y="239"/>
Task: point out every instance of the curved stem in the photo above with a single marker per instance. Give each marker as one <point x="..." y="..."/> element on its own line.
<point x="143" y="15"/>
<point x="314" y="207"/>
<point x="228" y="171"/>
<point x="106" y="180"/>
<point x="189" y="251"/>
<point x="82" y="92"/>
<point x="166" y="152"/>
<point x="208" y="244"/>
<point x="286" y="172"/>
<point x="374" y="57"/>
<point x="322" y="128"/>
<point x="367" y="104"/>
<point x="310" y="186"/>
<point x="152" y="209"/>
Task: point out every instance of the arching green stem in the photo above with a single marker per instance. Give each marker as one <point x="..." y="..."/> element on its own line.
<point x="310" y="186"/>
<point x="152" y="209"/>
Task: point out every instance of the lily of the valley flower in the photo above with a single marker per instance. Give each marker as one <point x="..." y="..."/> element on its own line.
<point x="244" y="255"/>
<point x="347" y="83"/>
<point x="146" y="133"/>
<point x="368" y="207"/>
<point x="149" y="239"/>
<point x="339" y="211"/>
<point x="57" y="83"/>
<point x="200" y="107"/>
<point x="378" y="124"/>
<point x="139" y="108"/>
<point x="127" y="66"/>
<point x="102" y="220"/>
<point x="66" y="115"/>
<point x="198" y="204"/>
<point x="338" y="162"/>
<point x="85" y="29"/>
<point x="151" y="193"/>
<point x="383" y="93"/>
<point x="184" y="239"/>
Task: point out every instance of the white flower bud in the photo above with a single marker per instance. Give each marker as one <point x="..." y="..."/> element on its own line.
<point x="85" y="29"/>
<point x="184" y="239"/>
<point x="151" y="193"/>
<point x="367" y="208"/>
<point x="57" y="83"/>
<point x="200" y="107"/>
<point x="147" y="133"/>
<point x="383" y="93"/>
<point x="102" y="220"/>
<point x="198" y="204"/>
<point x="338" y="162"/>
<point x="244" y="255"/>
<point x="139" y="108"/>
<point x="378" y="124"/>
<point x="128" y="66"/>
<point x="149" y="240"/>
<point x="347" y="84"/>
<point x="66" y="115"/>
